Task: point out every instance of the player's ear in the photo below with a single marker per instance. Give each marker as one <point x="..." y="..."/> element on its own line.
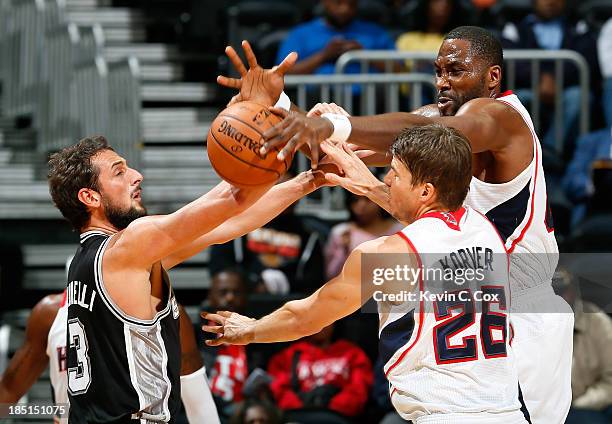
<point x="428" y="192"/>
<point x="89" y="197"/>
<point x="494" y="77"/>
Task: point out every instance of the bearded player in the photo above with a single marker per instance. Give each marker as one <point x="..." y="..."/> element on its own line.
<point x="123" y="331"/>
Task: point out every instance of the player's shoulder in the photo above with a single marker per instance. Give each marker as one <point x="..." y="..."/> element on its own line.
<point x="485" y="105"/>
<point x="387" y="244"/>
<point x="44" y="312"/>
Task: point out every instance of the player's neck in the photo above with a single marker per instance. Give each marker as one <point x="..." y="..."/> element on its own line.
<point x="97" y="225"/>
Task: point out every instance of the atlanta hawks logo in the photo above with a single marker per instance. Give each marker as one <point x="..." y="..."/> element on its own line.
<point x="449" y="217"/>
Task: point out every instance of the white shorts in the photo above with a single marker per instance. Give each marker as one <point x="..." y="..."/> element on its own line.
<point x="481" y="418"/>
<point x="543" y="327"/>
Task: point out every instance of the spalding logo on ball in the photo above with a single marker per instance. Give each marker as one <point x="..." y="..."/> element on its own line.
<point x="234" y="140"/>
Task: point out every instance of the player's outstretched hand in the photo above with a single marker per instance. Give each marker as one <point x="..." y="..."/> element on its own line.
<point x="231" y="328"/>
<point x="356" y="177"/>
<point x="294" y="131"/>
<point x="321" y="108"/>
<point x="256" y="84"/>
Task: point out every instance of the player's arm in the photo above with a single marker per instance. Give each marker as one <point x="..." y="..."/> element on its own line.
<point x="195" y="391"/>
<point x="150" y="239"/>
<point x="31" y="358"/>
<point x="334" y="300"/>
<point x="480" y="120"/>
<point x="263" y="211"/>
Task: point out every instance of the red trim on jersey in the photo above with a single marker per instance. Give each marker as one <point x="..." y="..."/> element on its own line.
<point x="526" y="227"/>
<point x="451" y="219"/>
<point x="421" y="310"/>
<point x="511" y="334"/>
<point x="535" y="180"/>
<point x="549" y="229"/>
<point x="64" y="298"/>
<point x="504" y="94"/>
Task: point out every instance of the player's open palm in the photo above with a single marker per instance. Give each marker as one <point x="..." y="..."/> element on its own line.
<point x="230" y="327"/>
<point x="256" y="83"/>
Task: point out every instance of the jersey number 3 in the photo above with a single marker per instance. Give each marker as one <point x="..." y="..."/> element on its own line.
<point x="490" y="321"/>
<point x="79" y="377"/>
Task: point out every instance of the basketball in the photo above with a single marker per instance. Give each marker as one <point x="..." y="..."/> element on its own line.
<point x="233" y="144"/>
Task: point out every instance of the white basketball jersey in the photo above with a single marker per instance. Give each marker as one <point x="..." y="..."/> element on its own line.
<point x="56" y="351"/>
<point x="519" y="210"/>
<point x="450" y="355"/>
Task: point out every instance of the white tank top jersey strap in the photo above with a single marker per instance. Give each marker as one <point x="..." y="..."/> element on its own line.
<point x="519" y="210"/>
<point x="446" y="356"/>
<point x="56" y="351"/>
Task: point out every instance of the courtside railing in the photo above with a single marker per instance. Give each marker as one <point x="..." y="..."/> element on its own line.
<point x="511" y="57"/>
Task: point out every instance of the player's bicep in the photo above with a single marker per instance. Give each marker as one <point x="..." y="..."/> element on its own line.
<point x="477" y="122"/>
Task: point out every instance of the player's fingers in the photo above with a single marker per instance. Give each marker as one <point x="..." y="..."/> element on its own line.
<point x="314" y="155"/>
<point x="229" y="82"/>
<point x="213" y="317"/>
<point x="235" y="59"/>
<point x="215" y="342"/>
<point x="286" y="64"/>
<point x="279" y="111"/>
<point x="334" y="179"/>
<point x="316" y="110"/>
<point x="335" y="153"/>
<point x="217" y="329"/>
<point x="289" y="148"/>
<point x="349" y="151"/>
<point x="225" y="314"/>
<point x="250" y="55"/>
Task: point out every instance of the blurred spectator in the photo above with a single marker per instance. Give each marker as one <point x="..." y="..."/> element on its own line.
<point x="256" y="412"/>
<point x="577" y="182"/>
<point x="549" y="28"/>
<point x="592" y="357"/>
<point x="433" y="19"/>
<point x="604" y="47"/>
<point x="281" y="256"/>
<point x="321" y="378"/>
<point x="367" y="222"/>
<point x="321" y="41"/>
<point x="227" y="366"/>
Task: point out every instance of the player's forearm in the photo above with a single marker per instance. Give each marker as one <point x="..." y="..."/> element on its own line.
<point x="291" y="322"/>
<point x="176" y="231"/>
<point x="379" y="132"/>
<point x="268" y="207"/>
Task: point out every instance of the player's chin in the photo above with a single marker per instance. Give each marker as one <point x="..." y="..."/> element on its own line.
<point x="447" y="108"/>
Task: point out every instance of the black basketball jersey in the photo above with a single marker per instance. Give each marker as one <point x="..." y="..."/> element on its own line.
<point x="120" y="369"/>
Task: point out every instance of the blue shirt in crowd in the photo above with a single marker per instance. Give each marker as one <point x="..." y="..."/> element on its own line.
<point x="312" y="37"/>
<point x="590" y="147"/>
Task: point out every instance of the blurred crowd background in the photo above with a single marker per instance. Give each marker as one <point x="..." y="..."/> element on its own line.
<point x="145" y="71"/>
